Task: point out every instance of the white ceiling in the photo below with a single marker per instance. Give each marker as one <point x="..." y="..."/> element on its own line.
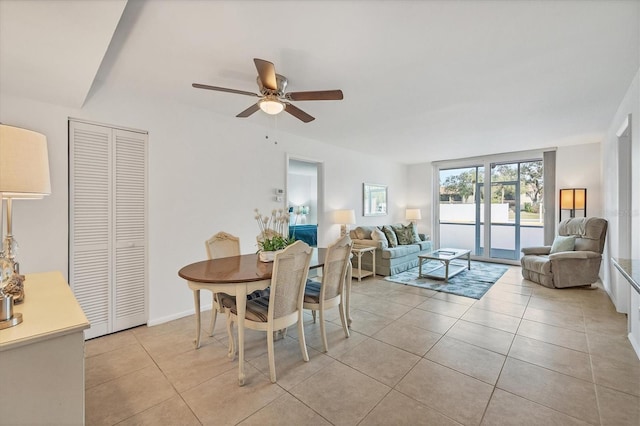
<point x="422" y="80"/>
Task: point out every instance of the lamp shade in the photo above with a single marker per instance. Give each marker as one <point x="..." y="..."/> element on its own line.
<point x="580" y="198"/>
<point x="24" y="163"/>
<point x="413" y="214"/>
<point x="573" y="198"/>
<point x="345" y="217"/>
<point x="566" y="199"/>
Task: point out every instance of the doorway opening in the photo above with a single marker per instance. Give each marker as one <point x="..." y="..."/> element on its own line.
<point x="303" y="199"/>
<point x="622" y="290"/>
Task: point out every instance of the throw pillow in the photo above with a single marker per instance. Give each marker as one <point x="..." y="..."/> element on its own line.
<point x="391" y="236"/>
<point x="561" y="243"/>
<point x="404" y="234"/>
<point x="363" y="233"/>
<point x="415" y="237"/>
<point x="378" y="235"/>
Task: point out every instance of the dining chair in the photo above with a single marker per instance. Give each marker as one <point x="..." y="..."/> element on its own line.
<point x="283" y="306"/>
<point x="320" y="296"/>
<point x="220" y="245"/>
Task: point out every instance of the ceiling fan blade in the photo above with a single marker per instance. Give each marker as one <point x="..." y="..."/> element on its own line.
<point x="247" y="112"/>
<point x="317" y="95"/>
<point x="223" y="89"/>
<point x="267" y="73"/>
<point x="298" y="113"/>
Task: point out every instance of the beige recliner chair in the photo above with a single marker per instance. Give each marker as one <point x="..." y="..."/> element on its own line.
<point x="555" y="268"/>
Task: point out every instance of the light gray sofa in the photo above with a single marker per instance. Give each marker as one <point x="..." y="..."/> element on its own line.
<point x="389" y="260"/>
<point x="579" y="266"/>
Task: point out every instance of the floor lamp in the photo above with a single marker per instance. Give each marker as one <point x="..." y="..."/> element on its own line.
<point x="24" y="174"/>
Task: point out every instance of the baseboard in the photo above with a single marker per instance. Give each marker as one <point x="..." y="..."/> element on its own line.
<point x="634" y="344"/>
<point x="162" y="320"/>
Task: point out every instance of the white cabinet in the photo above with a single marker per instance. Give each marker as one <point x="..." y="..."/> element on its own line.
<point x="107" y="225"/>
<point x="42" y="374"/>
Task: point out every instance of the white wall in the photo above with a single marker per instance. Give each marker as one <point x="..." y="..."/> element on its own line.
<point x="419" y="189"/>
<point x="206" y="173"/>
<point x="579" y="166"/>
<point x="613" y="281"/>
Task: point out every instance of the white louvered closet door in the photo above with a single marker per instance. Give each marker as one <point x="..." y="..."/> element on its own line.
<point x="107" y="207"/>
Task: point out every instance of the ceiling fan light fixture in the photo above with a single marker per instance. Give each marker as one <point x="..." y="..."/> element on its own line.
<point x="271" y="106"/>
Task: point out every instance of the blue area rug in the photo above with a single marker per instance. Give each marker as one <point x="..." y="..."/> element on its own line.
<point x="472" y="283"/>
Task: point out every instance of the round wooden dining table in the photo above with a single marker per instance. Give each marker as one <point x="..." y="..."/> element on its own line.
<point x="240" y="276"/>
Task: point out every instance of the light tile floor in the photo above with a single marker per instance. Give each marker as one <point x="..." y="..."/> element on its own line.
<point x="522" y="355"/>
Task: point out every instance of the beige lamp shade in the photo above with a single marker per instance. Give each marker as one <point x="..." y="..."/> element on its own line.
<point x="573" y="198"/>
<point x="345" y="217"/>
<point x="24" y="163"/>
<point x="413" y="214"/>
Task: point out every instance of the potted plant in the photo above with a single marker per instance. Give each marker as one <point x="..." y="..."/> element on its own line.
<point x="274" y="233"/>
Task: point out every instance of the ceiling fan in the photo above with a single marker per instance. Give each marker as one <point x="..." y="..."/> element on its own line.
<point x="273" y="98"/>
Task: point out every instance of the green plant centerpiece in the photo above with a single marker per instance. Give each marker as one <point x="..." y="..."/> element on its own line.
<point x="274" y="233"/>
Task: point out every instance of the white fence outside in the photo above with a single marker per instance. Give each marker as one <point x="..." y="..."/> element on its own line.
<point x="461" y="233"/>
<point x="467" y="213"/>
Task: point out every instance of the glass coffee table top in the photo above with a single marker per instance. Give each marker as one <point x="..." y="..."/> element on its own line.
<point x="444" y="256"/>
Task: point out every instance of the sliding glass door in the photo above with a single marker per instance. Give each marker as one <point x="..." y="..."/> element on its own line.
<point x="461" y="215"/>
<point x="517" y="218"/>
<point x="505" y="211"/>
<point x="515" y="210"/>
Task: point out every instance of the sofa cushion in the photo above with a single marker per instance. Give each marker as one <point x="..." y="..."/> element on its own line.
<point x="400" y="251"/>
<point x="403" y="233"/>
<point x="391" y="235"/>
<point x="378" y="236"/>
<point x="561" y="243"/>
<point x="424" y="245"/>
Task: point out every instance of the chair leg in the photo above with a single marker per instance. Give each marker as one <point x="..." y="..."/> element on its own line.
<point x="196" y="302"/>
<point x="343" y="319"/>
<point x="232" y="342"/>
<point x="301" y="339"/>
<point x="323" y="331"/>
<point x="313" y="314"/>
<point x="214" y="313"/>
<point x="272" y="358"/>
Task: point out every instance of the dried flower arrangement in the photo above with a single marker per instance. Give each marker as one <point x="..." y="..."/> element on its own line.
<point x="274" y="230"/>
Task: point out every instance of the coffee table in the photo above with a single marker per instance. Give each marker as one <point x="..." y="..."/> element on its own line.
<point x="444" y="256"/>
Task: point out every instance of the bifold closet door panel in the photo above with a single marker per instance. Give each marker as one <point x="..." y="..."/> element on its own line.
<point x="130" y="229"/>
<point x="90" y="202"/>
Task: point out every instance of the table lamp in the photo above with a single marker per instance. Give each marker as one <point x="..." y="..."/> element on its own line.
<point x="24" y="174"/>
<point x="413" y="215"/>
<point x="344" y="218"/>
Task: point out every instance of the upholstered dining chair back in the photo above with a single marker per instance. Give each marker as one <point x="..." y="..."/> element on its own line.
<point x="320" y="296"/>
<point x="290" y="270"/>
<point x="222" y="245"/>
<point x="590" y="232"/>
<point x="283" y="307"/>
<point x="335" y="268"/>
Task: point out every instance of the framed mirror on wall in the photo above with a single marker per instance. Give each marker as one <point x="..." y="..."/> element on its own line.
<point x="374" y="199"/>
